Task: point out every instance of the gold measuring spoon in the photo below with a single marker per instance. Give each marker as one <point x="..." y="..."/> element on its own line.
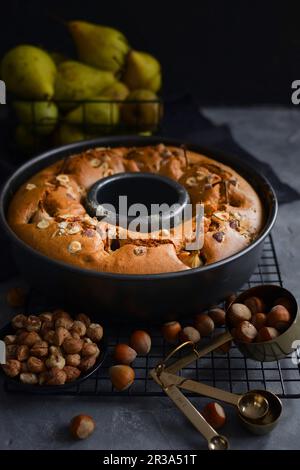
<point x="215" y="441"/>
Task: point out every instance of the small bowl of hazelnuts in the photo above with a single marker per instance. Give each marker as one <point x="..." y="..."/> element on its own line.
<point x="264" y="322"/>
<point x="51" y="350"/>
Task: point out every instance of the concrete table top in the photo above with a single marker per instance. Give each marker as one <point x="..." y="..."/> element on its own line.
<point x="37" y="422"/>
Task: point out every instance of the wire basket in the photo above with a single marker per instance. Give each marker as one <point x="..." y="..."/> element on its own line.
<point x="93" y="118"/>
<point x="230" y="371"/>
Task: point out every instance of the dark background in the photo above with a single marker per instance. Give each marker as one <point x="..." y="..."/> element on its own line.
<point x="224" y="52"/>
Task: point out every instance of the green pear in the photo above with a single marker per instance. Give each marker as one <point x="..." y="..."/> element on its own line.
<point x="76" y="81"/>
<point x="41" y="115"/>
<point x="26" y="140"/>
<point x="99" y="46"/>
<point x="101" y="115"/>
<point x="29" y="72"/>
<point x="143" y="71"/>
<point x="67" y="134"/>
<point x="142" y="110"/>
<point x="118" y="91"/>
<point x="57" y="57"/>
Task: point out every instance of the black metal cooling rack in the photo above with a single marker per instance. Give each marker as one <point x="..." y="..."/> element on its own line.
<point x="230" y="371"/>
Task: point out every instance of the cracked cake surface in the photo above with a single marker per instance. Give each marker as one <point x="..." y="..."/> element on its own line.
<point x="48" y="212"/>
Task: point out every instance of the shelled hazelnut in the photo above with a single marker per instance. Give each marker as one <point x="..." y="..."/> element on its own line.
<point x="204" y="324"/>
<point x="94" y="332"/>
<point x="19" y="321"/>
<point x="217" y="315"/>
<point x="140" y="341"/>
<point x="44" y="352"/>
<point x="189" y="333"/>
<point x="122" y="376"/>
<point x="84" y="319"/>
<point x="124" y="354"/>
<point x="16" y="297"/>
<point x="12" y="368"/>
<point x="230" y="299"/>
<point x="33" y="323"/>
<point x="214" y="414"/>
<point x="82" y="426"/>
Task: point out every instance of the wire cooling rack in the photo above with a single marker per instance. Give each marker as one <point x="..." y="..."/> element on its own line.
<point x="230" y="371"/>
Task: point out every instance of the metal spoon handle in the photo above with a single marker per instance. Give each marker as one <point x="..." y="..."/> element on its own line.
<point x="190" y="412"/>
<point x="202" y="389"/>
<point x="189" y="358"/>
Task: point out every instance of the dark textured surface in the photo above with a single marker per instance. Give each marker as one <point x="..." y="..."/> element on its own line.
<point x="152" y="423"/>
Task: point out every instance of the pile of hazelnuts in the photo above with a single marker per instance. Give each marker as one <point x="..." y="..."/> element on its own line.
<point x="255" y="322"/>
<point x="51" y="348"/>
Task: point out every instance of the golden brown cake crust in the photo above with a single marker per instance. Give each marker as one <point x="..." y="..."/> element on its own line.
<point x="48" y="212"/>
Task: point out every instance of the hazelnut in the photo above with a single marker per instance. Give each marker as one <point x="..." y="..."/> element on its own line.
<point x="259" y="320"/>
<point x="73" y="360"/>
<point x="31" y="338"/>
<point x="245" y="332"/>
<point x="29" y="378"/>
<point x="46" y="317"/>
<point x="285" y="302"/>
<point x="217" y="315"/>
<point x="19" y="321"/>
<point x="11" y="351"/>
<point x="124" y="354"/>
<point x="55" y="360"/>
<point x="214" y="415"/>
<point x="72" y="373"/>
<point x="86" y="363"/>
<point x="49" y="336"/>
<point x="20" y="336"/>
<point x="279" y="318"/>
<point x="10" y="339"/>
<point x="16" y="297"/>
<point x="189" y="333"/>
<point x="79" y="328"/>
<point x="84" y="319"/>
<point x="140" y="341"/>
<point x="204" y="324"/>
<point x="266" y="333"/>
<point x="39" y="349"/>
<point x="230" y="299"/>
<point x="56" y="376"/>
<point x="61" y="334"/>
<point x="95" y="332"/>
<point x="55" y="350"/>
<point x="63" y="322"/>
<point x="35" y="365"/>
<point x="121" y="376"/>
<point x="33" y="323"/>
<point x="170" y="331"/>
<point x="255" y="305"/>
<point x="24" y="367"/>
<point x="72" y="345"/>
<point x="238" y="313"/>
<point x="44" y="377"/>
<point x="60" y="314"/>
<point x="22" y="353"/>
<point x="12" y="367"/>
<point x="82" y="426"/>
<point x="90" y="350"/>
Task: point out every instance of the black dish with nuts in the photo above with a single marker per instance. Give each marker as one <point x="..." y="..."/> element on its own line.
<point x="51" y="350"/>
